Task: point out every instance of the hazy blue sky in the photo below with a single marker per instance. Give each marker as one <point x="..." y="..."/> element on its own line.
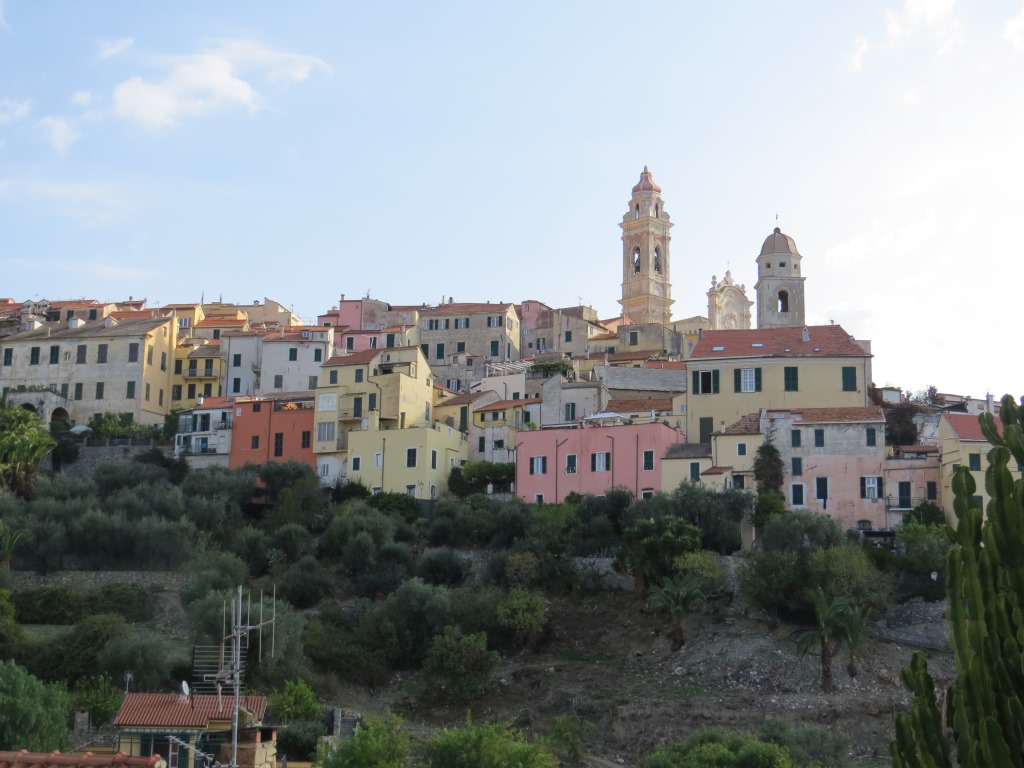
<point x="486" y="151"/>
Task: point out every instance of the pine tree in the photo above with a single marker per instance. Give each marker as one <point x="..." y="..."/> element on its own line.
<point x="985" y="586"/>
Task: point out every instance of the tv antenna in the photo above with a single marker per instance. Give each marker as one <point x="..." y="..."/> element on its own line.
<point x="231" y="673"/>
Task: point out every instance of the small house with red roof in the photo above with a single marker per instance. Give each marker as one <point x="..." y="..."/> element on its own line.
<point x="964" y="444"/>
<point x="495" y="426"/>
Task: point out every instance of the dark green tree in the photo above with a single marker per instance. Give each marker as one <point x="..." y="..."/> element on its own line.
<point x="769" y="470"/>
<point x="985" y="585"/>
<point x="33" y="714"/>
<point x="379" y="743"/>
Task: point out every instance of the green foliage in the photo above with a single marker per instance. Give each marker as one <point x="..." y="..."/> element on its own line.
<point x="342" y="492"/>
<point x="801" y="531"/>
<point x="276" y="476"/>
<point x="985" y="585"/>
<point x="177" y="468"/>
<point x="295" y="702"/>
<point x="377" y="743"/>
<point x="487" y="745"/>
<point x="925" y="551"/>
<point x="442" y="566"/>
<point x="839" y="620"/>
<point x="769" y="469"/>
<point x="24" y="442"/>
<point x="338" y="650"/>
<point x="12" y="636"/>
<point x="705" y="565"/>
<point x="74" y="653"/>
<point x="113" y="477"/>
<point x="293" y="541"/>
<point x="846" y="571"/>
<point x="713" y="747"/>
<point x="302" y="502"/>
<point x="398" y="505"/>
<point x="33" y="715"/>
<point x="651" y="546"/>
<point x="522" y="569"/>
<point x="100" y="695"/>
<point x="404" y="625"/>
<point x="717" y="513"/>
<point x="457" y="484"/>
<point x="768" y="581"/>
<point x="926" y="513"/>
<point x="461" y="664"/>
<point x="676" y="596"/>
<point x="524" y="615"/>
<point x="567" y="736"/>
<point x="809" y="746"/>
<point x="300" y="739"/>
<point x="305" y="583"/>
<point x="65" y="604"/>
<point x="767" y="506"/>
<point x="211" y="573"/>
<point x="899" y="424"/>
<point x="478" y="474"/>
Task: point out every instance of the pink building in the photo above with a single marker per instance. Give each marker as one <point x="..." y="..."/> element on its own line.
<point x="592" y="459"/>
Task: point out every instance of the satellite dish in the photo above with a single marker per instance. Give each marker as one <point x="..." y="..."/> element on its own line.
<point x="184" y="688"/>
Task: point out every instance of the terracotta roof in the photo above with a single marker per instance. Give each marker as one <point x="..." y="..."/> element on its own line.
<point x="220" y="322"/>
<point x="26" y="759"/>
<point x="634" y="405"/>
<point x="832" y="415"/>
<point x="716" y="470"/>
<point x="213" y="403"/>
<point x="206" y="350"/>
<point x="823" y="341"/>
<point x="503" y="404"/>
<point x="746" y="425"/>
<point x="967" y="427"/>
<point x="171" y="710"/>
<point x="356" y="358"/>
<point x="669" y="365"/>
<point x="646" y="183"/>
<point x="603" y="336"/>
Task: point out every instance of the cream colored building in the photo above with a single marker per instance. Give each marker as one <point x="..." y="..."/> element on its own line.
<point x="962" y="443"/>
<point x="76" y="369"/>
<point x="459" y="340"/>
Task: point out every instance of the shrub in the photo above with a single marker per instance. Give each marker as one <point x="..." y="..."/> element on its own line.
<point x="768" y="580"/>
<point x="379" y="743"/>
<point x="144" y="652"/>
<point x="305" y="583"/>
<point x="250" y="544"/>
<point x="176" y="468"/>
<point x="524" y="615"/>
<point x="801" y="530"/>
<point x="74" y="653"/>
<point x="293" y="540"/>
<point x="295" y="702"/>
<point x="300" y="738"/>
<point x="337" y="650"/>
<point x="567" y="736"/>
<point x="132" y="601"/>
<point x="404" y="625"/>
<point x="462" y="664"/>
<point x="846" y="571"/>
<point x="220" y="571"/>
<point x="101" y="696"/>
<point x="60" y="604"/>
<point x="442" y="566"/>
<point x="398" y="505"/>
<point x="808" y="745"/>
<point x="484" y="746"/>
<point x="109" y="478"/>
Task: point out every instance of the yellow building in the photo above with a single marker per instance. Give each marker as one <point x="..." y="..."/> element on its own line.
<point x="198" y="371"/>
<point x="962" y="443"/>
<point x="735" y="372"/>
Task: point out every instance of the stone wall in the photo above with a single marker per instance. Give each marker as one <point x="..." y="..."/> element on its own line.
<point x="92" y="456"/>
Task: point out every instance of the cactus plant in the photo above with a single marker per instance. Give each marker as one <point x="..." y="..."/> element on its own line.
<point x="985" y="586"/>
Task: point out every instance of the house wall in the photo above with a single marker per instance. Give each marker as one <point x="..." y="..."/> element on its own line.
<point x="383" y="459"/>
<point x="625" y="443"/>
<point x="299" y="374"/>
<point x="265" y="419"/>
<point x="243" y="378"/>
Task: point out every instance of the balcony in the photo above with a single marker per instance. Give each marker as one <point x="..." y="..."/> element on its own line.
<point x="195" y="373"/>
<point x="906" y="502"/>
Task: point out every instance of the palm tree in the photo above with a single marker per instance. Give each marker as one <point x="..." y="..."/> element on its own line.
<point x="9" y="541"/>
<point x="24" y="442"/>
<point x="839" y="620"/>
<point x="677" y="595"/>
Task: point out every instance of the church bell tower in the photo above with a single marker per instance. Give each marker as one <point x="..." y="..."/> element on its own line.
<point x="646" y="290"/>
<point x="780" y="286"/>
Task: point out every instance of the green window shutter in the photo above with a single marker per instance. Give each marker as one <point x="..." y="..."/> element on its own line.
<point x="696" y="382"/>
<point x="849" y="378"/>
<point x="593" y="462"/>
<point x="863" y="487"/>
<point x="737" y="380"/>
<point x="714" y="382"/>
<point x="757" y="379"/>
<point x="881" y="491"/>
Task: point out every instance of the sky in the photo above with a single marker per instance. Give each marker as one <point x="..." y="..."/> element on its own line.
<point x="416" y="152"/>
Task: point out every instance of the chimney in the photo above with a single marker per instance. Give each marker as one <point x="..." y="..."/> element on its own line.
<point x="806" y="336"/>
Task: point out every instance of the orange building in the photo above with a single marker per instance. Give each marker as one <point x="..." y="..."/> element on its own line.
<point x="277" y="427"/>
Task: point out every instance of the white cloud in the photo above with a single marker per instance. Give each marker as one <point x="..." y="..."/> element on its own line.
<point x="861" y="47"/>
<point x="81" y="98"/>
<point x="60" y="133"/>
<point x="3" y="19"/>
<point x="110" y="49"/>
<point x="89" y="204"/>
<point x="1015" y="30"/>
<point x="934" y="16"/>
<point x="199" y="83"/>
<point x="13" y="110"/>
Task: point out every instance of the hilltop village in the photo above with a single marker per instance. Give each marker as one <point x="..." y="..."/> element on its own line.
<point x="394" y="397"/>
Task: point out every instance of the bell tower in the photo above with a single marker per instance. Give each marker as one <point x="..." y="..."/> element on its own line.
<point x="780" y="286"/>
<point x="646" y="290"/>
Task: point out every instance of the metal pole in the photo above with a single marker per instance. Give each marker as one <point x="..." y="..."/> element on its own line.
<point x="236" y="665"/>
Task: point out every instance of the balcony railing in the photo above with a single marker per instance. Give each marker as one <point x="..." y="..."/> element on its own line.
<point x="194" y="373"/>
<point x="904" y="502"/>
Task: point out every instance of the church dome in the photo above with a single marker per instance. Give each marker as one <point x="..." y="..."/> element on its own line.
<point x="777" y="242"/>
<point x="646" y="183"/>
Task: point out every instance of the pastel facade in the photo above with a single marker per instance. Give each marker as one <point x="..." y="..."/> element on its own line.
<point x="964" y="444"/>
<point x="552" y="463"/>
<point x="460" y="339"/>
<point x="415" y="460"/>
<point x="496" y="426"/>
<point x="204" y="432"/>
<point x="76" y="369"/>
<point x="275" y="428"/>
<point x="292" y="358"/>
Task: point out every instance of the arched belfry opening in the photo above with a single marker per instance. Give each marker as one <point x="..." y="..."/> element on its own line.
<point x="636" y="261"/>
<point x="783" y="301"/>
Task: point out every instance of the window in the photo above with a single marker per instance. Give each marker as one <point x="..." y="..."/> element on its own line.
<point x="325" y="470"/>
<point x="33" y="356"/>
<point x="460" y="347"/>
<point x="78" y="390"/>
<point x="694" y="471"/>
<point x="357" y="407"/>
<point x="191" y="391"/>
<point x="101" y="353"/>
<point x="373" y="342"/>
<point x="568" y="336"/>
<point x="359" y="375"/>
<point x="236" y="385"/>
<point x="499" y="444"/>
<point x="55" y="354"/>
<point x="306" y="438"/>
<point x="706" y="426"/>
<point x="147" y="393"/>
<point x="570" y="464"/>
<point x="871" y="487"/>
<point x="601" y="461"/>
<point x="796" y="467"/>
<point x="819" y="438"/>
<point x="433" y="459"/>
<point x="570" y="411"/>
<point x="978" y="502"/>
<point x="8" y="356"/>
<point x="236" y="361"/>
<point x="278" y="381"/>
<point x="932" y="490"/>
<point x="64" y="390"/>
<point x="332" y="376"/>
<point x="439" y="351"/>
<point x="494" y="321"/>
<point x="738" y="482"/>
<point x="791" y="378"/>
<point x="312" y="382"/>
<point x="849" y="378"/>
<point x="254" y="442"/>
<point x="872" y="437"/>
<point x="160" y="396"/>
<point x="747" y="379"/>
<point x="410" y="457"/>
<point x="149" y="354"/>
<point x="494" y="348"/>
<point x="372" y="403"/>
<point x="257" y="407"/>
<point x="99" y="390"/>
<point x="705" y="382"/>
<point x="177" y="369"/>
<point x="293" y="354"/>
<point x="92" y="314"/>
<point x="648" y="460"/>
<point x="318" y="355"/>
<point x="129" y="391"/>
<point x="481" y="444"/>
<point x="538" y="499"/>
<point x="324" y="431"/>
<point x="208" y="368"/>
<point x="796" y="494"/>
<point x="350" y="343"/>
<point x="821" y="488"/>
<point x="133" y="352"/>
<point x="794" y="438"/>
<point x="741" y="449"/>
<point x="80" y="353"/>
<point x="538" y="465"/>
<point x="634" y="338"/>
<point x="974" y="462"/>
